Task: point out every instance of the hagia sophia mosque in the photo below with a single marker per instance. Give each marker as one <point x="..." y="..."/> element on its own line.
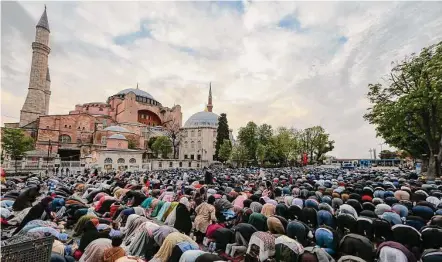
<point x="113" y="134"/>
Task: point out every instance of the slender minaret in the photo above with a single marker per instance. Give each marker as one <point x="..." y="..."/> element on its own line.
<point x="209" y="104"/>
<point x="37" y="100"/>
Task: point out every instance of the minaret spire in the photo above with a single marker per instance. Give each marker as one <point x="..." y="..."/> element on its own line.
<point x="209" y="104"/>
<point x="39" y="89"/>
<point x="43" y="22"/>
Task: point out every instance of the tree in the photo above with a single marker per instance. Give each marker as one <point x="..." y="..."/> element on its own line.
<point x="172" y="128"/>
<point x="407" y="109"/>
<point x="162" y="145"/>
<point x="222" y="134"/>
<point x="322" y="146"/>
<point x="225" y="151"/>
<point x="151" y="142"/>
<point x="315" y="142"/>
<point x="15" y="143"/>
<point x="387" y="154"/>
<point x="131" y="143"/>
<point x="248" y="137"/>
<point x="286" y="144"/>
<point x="265" y="133"/>
<point x="261" y="153"/>
<point x="239" y="154"/>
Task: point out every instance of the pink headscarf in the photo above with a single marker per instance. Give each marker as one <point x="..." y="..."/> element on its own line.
<point x="239" y="201"/>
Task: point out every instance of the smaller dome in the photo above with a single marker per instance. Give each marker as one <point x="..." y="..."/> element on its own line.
<point x="117" y="129"/>
<point x="117" y="136"/>
<point x="202" y="119"/>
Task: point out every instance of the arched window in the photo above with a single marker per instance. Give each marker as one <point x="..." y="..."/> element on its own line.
<point x="121" y="161"/>
<point x="181" y="164"/>
<point x="108" y="160"/>
<point x="185" y="144"/>
<point x="192" y="145"/>
<point x="199" y="144"/>
<point x="64" y="139"/>
<point x="199" y="132"/>
<point x="132" y="161"/>
<point x="103" y="140"/>
<point x="192" y="133"/>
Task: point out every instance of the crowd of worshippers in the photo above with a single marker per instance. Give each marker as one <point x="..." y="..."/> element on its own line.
<point x="286" y="214"/>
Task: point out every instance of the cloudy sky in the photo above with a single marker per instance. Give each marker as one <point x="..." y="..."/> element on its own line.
<point x="281" y="63"/>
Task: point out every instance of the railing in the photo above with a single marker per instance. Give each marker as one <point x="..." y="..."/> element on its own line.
<point x="32" y="165"/>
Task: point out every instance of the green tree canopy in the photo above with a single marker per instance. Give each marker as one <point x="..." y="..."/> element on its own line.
<point x="265" y="133"/>
<point x="225" y="151"/>
<point x="261" y="153"/>
<point x="407" y="109"/>
<point x="162" y="145"/>
<point x="315" y="142"/>
<point x="15" y="143"/>
<point x="222" y="134"/>
<point x="387" y="154"/>
<point x="248" y="137"/>
<point x="239" y="154"/>
<point x="151" y="141"/>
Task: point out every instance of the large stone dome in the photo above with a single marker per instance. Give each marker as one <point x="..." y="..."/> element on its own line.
<point x="202" y="119"/>
<point x="137" y="92"/>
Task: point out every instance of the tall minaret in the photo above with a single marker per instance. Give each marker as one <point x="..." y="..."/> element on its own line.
<point x="209" y="104"/>
<point x="37" y="100"/>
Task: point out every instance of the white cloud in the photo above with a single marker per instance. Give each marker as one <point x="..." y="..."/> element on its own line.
<point x="298" y="76"/>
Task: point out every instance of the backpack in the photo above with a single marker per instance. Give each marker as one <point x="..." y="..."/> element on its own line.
<point x="364" y="227"/>
<point x="310" y="217"/>
<point x="382" y="230"/>
<point x="407" y="236"/>
<point x="346" y="223"/>
<point x="431" y="237"/>
<point x="357" y="245"/>
<point x="432" y="255"/>
<point x="318" y="253"/>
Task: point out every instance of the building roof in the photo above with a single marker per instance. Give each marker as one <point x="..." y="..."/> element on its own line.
<point x="137" y="92"/>
<point x="117" y="129"/>
<point x="43" y="22"/>
<point x="117" y="136"/>
<point x="202" y="119"/>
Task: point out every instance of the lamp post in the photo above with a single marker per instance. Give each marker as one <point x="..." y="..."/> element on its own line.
<point x="47" y="159"/>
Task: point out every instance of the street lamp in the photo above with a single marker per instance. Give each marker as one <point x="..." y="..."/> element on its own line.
<point x="47" y="159"/>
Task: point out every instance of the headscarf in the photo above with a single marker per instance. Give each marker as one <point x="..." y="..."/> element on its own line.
<point x="268" y="210"/>
<point x="169" y="243"/>
<point x="281" y="210"/>
<point x="275" y="226"/>
<point x="256" y="207"/>
<point x="239" y="201"/>
<point x="161" y="233"/>
<point x="90" y="233"/>
<point x="183" y="223"/>
<point x="381" y="209"/>
<point x="113" y="253"/>
<point x="95" y="250"/>
<point x="259" y="221"/>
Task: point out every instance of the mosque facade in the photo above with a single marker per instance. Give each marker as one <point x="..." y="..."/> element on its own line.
<point x="199" y="134"/>
<point x="131" y="112"/>
<point x="112" y="133"/>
